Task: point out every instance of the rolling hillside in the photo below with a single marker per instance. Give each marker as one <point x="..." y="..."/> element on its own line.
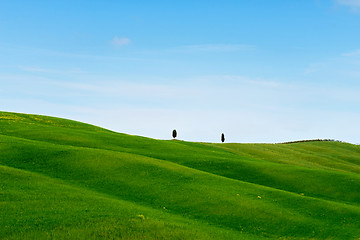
<point x="61" y="179"/>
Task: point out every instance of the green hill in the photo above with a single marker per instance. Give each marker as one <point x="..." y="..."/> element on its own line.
<point x="61" y="179"/>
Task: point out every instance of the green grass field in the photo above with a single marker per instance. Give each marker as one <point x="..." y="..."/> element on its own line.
<point x="61" y="179"/>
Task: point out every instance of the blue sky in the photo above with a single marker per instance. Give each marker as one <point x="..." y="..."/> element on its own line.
<point x="258" y="71"/>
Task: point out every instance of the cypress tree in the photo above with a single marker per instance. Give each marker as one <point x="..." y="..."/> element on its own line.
<point x="174" y="133"/>
<point x="222" y="137"/>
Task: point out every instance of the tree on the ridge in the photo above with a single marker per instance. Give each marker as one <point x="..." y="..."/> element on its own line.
<point x="222" y="137"/>
<point x="174" y="133"/>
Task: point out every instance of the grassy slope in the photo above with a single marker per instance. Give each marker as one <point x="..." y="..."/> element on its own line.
<point x="61" y="178"/>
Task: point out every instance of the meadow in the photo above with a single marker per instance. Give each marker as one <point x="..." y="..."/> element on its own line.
<point x="61" y="179"/>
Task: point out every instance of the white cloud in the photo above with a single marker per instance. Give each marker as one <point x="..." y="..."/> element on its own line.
<point x="353" y="4"/>
<point x="118" y="42"/>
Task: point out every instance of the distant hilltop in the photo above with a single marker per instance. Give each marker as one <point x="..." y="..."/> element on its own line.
<point x="312" y="140"/>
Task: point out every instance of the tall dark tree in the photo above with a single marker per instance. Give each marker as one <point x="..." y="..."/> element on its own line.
<point x="174" y="133"/>
<point x="222" y="137"/>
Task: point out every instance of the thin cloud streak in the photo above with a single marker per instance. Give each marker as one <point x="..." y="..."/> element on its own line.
<point x="52" y="71"/>
<point x="351" y="54"/>
<point x="351" y="3"/>
<point x="118" y="42"/>
<point x="201" y="48"/>
<point x="354" y="5"/>
<point x="212" y="48"/>
<point x="34" y="51"/>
